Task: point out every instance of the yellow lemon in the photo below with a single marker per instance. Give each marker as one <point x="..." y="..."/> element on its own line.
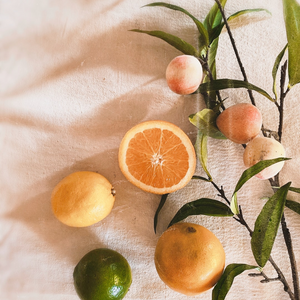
<point x="82" y="199"/>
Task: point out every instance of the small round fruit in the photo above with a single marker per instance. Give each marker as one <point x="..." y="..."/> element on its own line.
<point x="263" y="148"/>
<point x="102" y="274"/>
<point x="82" y="199"/>
<point x="240" y="123"/>
<point x="189" y="258"/>
<point x="184" y="74"/>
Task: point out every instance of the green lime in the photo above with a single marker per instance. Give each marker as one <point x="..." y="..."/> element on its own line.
<point x="102" y="274"/>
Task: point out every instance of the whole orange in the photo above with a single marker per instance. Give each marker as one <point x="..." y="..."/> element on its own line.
<point x="189" y="258"/>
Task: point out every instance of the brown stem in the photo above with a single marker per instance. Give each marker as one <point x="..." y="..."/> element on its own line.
<point x="282" y="279"/>
<point x="240" y="218"/>
<point x="221" y="192"/>
<point x="276" y="182"/>
<point x="289" y="244"/>
<point x="282" y="97"/>
<point x="235" y="49"/>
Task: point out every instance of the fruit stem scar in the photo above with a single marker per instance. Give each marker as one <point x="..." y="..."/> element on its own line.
<point x="191" y="229"/>
<point x="113" y="191"/>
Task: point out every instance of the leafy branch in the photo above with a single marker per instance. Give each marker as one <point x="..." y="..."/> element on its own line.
<point x="235" y="49"/>
<point x="272" y="214"/>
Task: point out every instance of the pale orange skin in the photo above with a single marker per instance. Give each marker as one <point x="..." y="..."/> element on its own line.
<point x="263" y="148"/>
<point x="189" y="258"/>
<point x="184" y="74"/>
<point x="82" y="199"/>
<point x="240" y="123"/>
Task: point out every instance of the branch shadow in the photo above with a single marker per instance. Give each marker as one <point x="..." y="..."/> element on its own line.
<point x="80" y="49"/>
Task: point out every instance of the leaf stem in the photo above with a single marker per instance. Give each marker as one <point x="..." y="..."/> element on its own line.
<point x="289" y="244"/>
<point x="221" y="192"/>
<point x="282" y="279"/>
<point x="240" y="218"/>
<point x="276" y="182"/>
<point x="282" y="97"/>
<point x="266" y="278"/>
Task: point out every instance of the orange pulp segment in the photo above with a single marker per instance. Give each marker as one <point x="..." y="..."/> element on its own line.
<point x="157" y="156"/>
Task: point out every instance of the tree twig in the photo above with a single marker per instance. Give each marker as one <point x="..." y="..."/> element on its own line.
<point x="235" y="50"/>
<point x="282" y="97"/>
<point x="280" y="106"/>
<point x="276" y="183"/>
<point x="240" y="218"/>
<point x="289" y="244"/>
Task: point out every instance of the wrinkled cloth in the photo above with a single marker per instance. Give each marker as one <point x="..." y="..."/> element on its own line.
<point x="74" y="79"/>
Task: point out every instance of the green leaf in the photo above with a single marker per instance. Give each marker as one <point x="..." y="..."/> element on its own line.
<point x="203" y="38"/>
<point x="205" y="121"/>
<point x="212" y="57"/>
<point x="210" y="98"/>
<point x="293" y="205"/>
<point x="213" y="20"/>
<point x="173" y="40"/>
<point x="217" y="29"/>
<point x="216" y="33"/>
<point x="203" y="206"/>
<point x="293" y="189"/>
<point x="201" y="151"/>
<point x="222" y="84"/>
<point x="291" y="10"/>
<point x="275" y="69"/>
<point x="248" y="13"/>
<point x="160" y="206"/>
<point x="235" y="21"/>
<point x="252" y="171"/>
<point x="266" y="226"/>
<point x="225" y="282"/>
<point x="201" y="178"/>
<point x="234" y="204"/>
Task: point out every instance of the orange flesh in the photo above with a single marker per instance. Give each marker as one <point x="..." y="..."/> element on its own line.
<point x="163" y="162"/>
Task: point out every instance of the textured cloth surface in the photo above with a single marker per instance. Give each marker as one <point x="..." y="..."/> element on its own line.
<point x="74" y="79"/>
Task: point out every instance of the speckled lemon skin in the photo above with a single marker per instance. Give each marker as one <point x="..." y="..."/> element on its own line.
<point x="82" y="199"/>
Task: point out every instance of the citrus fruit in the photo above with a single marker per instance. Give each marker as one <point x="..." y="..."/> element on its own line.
<point x="102" y="274"/>
<point x="82" y="199"/>
<point x="189" y="258"/>
<point x="157" y="156"/>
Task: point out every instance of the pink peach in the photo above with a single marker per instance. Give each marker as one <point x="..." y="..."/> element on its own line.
<point x="240" y="123"/>
<point x="184" y="74"/>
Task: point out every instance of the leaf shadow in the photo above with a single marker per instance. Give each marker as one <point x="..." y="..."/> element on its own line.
<point x="75" y="52"/>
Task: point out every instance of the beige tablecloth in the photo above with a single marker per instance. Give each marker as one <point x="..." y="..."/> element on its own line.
<point x="74" y="79"/>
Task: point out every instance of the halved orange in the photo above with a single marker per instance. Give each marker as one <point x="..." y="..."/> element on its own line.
<point x="157" y="156"/>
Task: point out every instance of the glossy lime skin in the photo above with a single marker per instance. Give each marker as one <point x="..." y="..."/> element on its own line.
<point x="102" y="274"/>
